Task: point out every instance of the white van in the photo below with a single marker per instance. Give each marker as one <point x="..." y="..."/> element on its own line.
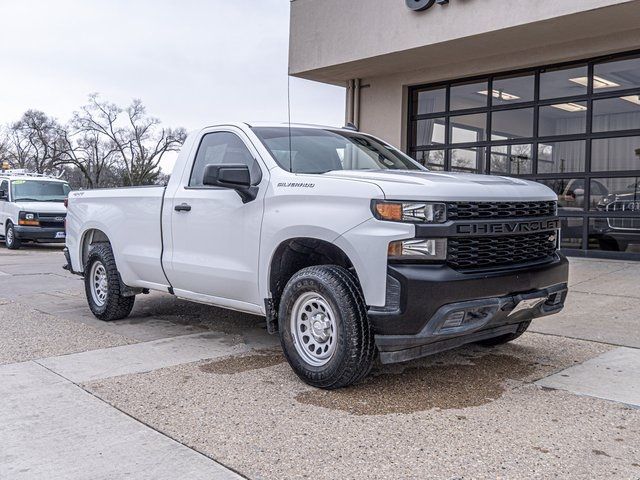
<point x="32" y="208"/>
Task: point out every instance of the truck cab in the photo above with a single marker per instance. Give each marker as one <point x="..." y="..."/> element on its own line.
<point x="32" y="208"/>
<point x="349" y="248"/>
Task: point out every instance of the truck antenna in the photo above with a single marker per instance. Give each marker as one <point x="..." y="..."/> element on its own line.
<point x="289" y="119"/>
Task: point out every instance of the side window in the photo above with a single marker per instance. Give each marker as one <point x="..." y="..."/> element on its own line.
<point x="4" y="186"/>
<point x="220" y="148"/>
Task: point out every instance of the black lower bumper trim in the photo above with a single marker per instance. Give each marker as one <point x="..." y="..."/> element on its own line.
<point x="407" y="354"/>
<point x="39" y="234"/>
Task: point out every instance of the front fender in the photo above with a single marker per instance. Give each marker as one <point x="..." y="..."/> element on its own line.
<point x="367" y="245"/>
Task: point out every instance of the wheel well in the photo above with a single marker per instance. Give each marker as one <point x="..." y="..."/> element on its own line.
<point x="92" y="237"/>
<point x="295" y="254"/>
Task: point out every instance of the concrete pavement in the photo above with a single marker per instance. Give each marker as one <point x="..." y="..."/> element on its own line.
<point x="178" y="388"/>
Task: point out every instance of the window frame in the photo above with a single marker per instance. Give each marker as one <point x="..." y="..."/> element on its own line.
<point x="248" y="145"/>
<point x="589" y="96"/>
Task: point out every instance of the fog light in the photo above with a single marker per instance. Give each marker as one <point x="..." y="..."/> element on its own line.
<point x="454" y="319"/>
<point x="419" y="249"/>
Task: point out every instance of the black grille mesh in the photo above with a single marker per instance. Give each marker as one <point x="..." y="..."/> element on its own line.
<point x="484" y="253"/>
<point x="480" y="210"/>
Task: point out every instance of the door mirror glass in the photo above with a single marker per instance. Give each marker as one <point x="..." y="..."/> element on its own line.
<point x="4" y="195"/>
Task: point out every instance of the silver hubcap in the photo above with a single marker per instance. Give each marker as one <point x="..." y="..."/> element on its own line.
<point x="314" y="329"/>
<point x="9" y="236"/>
<point x="99" y="283"/>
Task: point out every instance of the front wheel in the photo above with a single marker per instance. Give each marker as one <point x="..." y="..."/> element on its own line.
<point x="102" y="286"/>
<point x="324" y="327"/>
<point x="11" y="241"/>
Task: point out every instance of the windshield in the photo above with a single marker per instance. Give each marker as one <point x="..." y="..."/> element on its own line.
<point x="39" y="191"/>
<point x="318" y="151"/>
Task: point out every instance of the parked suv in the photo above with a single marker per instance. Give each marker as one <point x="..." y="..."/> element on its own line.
<point x="32" y="208"/>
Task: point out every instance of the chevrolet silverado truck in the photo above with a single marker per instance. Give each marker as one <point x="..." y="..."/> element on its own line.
<point x="350" y="249"/>
<point x="31" y="208"/>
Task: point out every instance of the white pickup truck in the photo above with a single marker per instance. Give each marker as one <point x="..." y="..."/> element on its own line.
<point x="348" y="247"/>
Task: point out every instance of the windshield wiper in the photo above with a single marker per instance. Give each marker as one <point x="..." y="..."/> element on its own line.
<point x="29" y="200"/>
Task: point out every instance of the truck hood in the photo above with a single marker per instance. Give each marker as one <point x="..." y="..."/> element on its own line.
<point x="441" y="186"/>
<point x="42" y="207"/>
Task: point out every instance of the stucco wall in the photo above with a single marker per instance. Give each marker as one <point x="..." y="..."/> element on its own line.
<point x="327" y="33"/>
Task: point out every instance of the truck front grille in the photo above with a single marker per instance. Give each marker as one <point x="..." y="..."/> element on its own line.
<point x="490" y="210"/>
<point x="486" y="253"/>
<point x="51" y="220"/>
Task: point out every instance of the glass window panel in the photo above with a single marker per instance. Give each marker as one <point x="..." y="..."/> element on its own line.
<point x="570" y="191"/>
<point x="613" y="234"/>
<point x="429" y="101"/>
<point x="566" y="82"/>
<point x="615" y="194"/>
<point x="563" y="119"/>
<point x="571" y="228"/>
<point x="616" y="114"/>
<point x="468" y="128"/>
<point x="561" y="157"/>
<point x="510" y="90"/>
<point x="516" y="123"/>
<point x="616" y="75"/>
<point x="610" y="154"/>
<point x="511" y="159"/>
<point x="467" y="159"/>
<point x="429" y="132"/>
<point x="469" y="95"/>
<point x="432" y="159"/>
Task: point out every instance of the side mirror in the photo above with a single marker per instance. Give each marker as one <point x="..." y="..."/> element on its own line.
<point x="234" y="176"/>
<point x="578" y="192"/>
<point x="3" y="195"/>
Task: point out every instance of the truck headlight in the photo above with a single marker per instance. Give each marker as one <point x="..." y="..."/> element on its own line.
<point x="28" y="219"/>
<point x="419" y="249"/>
<point x="412" y="212"/>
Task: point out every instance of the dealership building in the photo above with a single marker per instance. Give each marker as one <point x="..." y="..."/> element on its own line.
<point x="547" y="90"/>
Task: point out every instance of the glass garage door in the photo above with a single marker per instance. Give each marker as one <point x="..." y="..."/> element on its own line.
<point x="575" y="128"/>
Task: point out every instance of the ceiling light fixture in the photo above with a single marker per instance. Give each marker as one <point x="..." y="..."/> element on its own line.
<point x="499" y="94"/>
<point x="598" y="82"/>
<point x="570" y="107"/>
<point x="632" y="98"/>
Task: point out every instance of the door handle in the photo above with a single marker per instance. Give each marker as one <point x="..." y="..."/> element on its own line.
<point x="183" y="207"/>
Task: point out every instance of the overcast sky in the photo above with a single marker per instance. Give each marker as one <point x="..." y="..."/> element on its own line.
<point x="192" y="62"/>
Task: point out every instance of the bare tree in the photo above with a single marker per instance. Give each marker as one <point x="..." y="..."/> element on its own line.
<point x="138" y="140"/>
<point x="94" y="157"/>
<point x="39" y="142"/>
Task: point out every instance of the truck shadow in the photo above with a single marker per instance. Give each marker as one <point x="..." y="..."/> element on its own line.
<point x="416" y="387"/>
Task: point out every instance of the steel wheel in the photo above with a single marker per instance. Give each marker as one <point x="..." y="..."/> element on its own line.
<point x="9" y="238"/>
<point x="99" y="283"/>
<point x="313" y="326"/>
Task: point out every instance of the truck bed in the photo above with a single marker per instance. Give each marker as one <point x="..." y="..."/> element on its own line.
<point x="122" y="214"/>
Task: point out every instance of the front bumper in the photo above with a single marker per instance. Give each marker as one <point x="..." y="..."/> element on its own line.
<point x="427" y="296"/>
<point x="40" y="234"/>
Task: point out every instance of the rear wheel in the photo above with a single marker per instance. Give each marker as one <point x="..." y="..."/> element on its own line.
<point x="491" y="342"/>
<point x="102" y="285"/>
<point x="324" y="327"/>
<point x="11" y="241"/>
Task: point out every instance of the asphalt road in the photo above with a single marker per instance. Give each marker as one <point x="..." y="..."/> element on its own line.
<point x="180" y="390"/>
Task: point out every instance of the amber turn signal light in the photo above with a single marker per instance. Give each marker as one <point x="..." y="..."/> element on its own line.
<point x="389" y="211"/>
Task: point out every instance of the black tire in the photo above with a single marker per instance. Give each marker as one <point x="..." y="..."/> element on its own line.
<point x="10" y="239"/>
<point x="509" y="337"/>
<point x="609" y="244"/>
<point x="114" y="306"/>
<point x="354" y="350"/>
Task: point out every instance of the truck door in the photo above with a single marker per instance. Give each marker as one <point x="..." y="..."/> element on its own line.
<point x="215" y="236"/>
